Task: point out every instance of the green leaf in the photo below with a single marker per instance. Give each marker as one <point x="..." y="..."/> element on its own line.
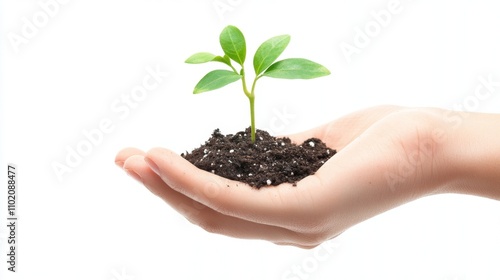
<point x="215" y="79"/>
<point x="200" y="57"/>
<point x="296" y="68"/>
<point x="268" y="52"/>
<point x="204" y="57"/>
<point x="233" y="43"/>
<point x="224" y="59"/>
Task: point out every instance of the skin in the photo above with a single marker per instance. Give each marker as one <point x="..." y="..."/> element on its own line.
<point x="387" y="156"/>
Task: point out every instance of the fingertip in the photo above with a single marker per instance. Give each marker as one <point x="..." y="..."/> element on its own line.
<point x="134" y="175"/>
<point x="119" y="163"/>
<point x="134" y="162"/>
<point x="152" y="165"/>
<point x="126" y="153"/>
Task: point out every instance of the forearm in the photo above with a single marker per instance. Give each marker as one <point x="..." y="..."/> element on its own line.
<point x="474" y="153"/>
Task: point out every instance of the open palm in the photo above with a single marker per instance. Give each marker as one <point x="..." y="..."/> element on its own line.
<point x="386" y="157"/>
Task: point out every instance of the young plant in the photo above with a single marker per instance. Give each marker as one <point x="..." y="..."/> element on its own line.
<point x="233" y="44"/>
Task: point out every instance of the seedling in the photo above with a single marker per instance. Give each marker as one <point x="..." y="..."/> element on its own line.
<point x="233" y="44"/>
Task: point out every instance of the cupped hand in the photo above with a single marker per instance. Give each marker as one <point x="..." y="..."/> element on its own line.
<point x="386" y="156"/>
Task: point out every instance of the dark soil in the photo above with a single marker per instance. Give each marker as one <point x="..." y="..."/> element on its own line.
<point x="268" y="161"/>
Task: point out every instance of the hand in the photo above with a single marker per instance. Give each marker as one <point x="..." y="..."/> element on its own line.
<point x="386" y="156"/>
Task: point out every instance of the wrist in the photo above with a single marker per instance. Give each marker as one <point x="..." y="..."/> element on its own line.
<point x="471" y="153"/>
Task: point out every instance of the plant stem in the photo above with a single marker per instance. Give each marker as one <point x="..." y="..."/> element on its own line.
<point x="251" y="98"/>
<point x="253" y="85"/>
<point x="252" y="106"/>
<point x="232" y="67"/>
<point x="252" y="118"/>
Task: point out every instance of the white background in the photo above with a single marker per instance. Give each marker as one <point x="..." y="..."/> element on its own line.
<point x="97" y="223"/>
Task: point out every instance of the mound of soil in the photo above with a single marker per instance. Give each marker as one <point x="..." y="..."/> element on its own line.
<point x="268" y="161"/>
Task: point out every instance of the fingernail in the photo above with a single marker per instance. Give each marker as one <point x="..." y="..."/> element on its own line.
<point x="152" y="165"/>
<point x="134" y="175"/>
